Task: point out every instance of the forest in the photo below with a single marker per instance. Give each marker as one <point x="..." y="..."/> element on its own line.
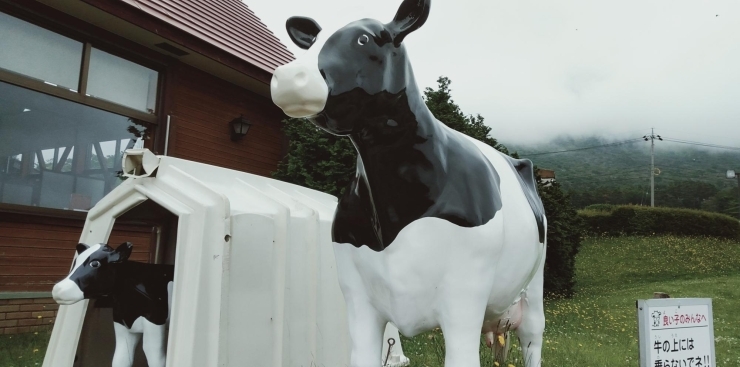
<point x="687" y="175"/>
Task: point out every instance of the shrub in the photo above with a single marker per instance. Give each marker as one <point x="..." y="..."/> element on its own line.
<point x="601" y="207"/>
<point x="564" y="228"/>
<point x="641" y="220"/>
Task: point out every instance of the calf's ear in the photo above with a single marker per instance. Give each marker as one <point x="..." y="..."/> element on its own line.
<point x="122" y="252"/>
<point x="411" y="16"/>
<point x="81" y="247"/>
<point x="302" y="31"/>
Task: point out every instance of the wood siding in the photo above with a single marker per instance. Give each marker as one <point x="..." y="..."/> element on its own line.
<point x="202" y="107"/>
<point x="36" y="252"/>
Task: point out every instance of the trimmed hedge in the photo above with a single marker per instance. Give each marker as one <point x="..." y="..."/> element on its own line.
<point x="641" y="220"/>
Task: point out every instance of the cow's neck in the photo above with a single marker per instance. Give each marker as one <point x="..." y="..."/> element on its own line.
<point x="401" y="155"/>
<point x="398" y="122"/>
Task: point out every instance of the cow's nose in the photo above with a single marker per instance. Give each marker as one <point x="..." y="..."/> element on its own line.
<point x="299" y="89"/>
<point x="67" y="292"/>
<point x="291" y="76"/>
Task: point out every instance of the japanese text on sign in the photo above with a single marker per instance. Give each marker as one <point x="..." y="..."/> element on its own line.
<point x="676" y="335"/>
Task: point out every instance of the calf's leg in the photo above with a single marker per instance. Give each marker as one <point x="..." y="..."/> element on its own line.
<point x="154" y="345"/>
<point x="126" y="342"/>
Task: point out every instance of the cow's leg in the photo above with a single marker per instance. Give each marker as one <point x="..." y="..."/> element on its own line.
<point x="533" y="321"/>
<point x="461" y="319"/>
<point x="154" y="345"/>
<point x="366" y="328"/>
<point x="126" y="342"/>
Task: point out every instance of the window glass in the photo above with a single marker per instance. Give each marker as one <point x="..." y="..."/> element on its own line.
<point x="59" y="154"/>
<point x="121" y="81"/>
<point x="41" y="54"/>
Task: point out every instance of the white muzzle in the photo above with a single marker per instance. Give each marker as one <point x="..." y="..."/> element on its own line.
<point x="67" y="292"/>
<point x="299" y="89"/>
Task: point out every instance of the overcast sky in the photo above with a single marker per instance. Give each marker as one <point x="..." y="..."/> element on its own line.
<point x="538" y="69"/>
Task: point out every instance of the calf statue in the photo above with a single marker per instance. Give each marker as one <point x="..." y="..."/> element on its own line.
<point x="140" y="294"/>
<point x="436" y="229"/>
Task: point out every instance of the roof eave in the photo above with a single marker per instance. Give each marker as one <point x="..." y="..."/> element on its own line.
<point x="181" y="38"/>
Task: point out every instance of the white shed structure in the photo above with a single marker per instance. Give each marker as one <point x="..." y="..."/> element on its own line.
<point x="255" y="275"/>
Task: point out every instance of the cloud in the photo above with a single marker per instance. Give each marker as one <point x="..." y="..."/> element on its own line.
<point x="537" y="69"/>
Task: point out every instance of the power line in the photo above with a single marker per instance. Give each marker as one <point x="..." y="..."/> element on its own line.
<point x="584" y="148"/>
<point x="709" y="145"/>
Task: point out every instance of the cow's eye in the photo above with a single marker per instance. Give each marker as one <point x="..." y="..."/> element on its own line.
<point x="363" y="40"/>
<point x="95" y="264"/>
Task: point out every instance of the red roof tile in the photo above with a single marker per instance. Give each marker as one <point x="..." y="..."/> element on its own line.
<point x="228" y="24"/>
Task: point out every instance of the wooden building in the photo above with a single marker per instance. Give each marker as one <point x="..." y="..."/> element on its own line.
<point x="80" y="81"/>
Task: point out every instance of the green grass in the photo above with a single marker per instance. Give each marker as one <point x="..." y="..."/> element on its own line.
<point x="598" y="326"/>
<point x="23" y="350"/>
<point x="595" y="328"/>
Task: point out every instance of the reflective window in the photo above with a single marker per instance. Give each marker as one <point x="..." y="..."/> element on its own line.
<point x="121" y="81"/>
<point x="59" y="154"/>
<point x="41" y="54"/>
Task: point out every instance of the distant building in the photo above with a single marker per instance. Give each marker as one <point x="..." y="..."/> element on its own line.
<point x="547" y="176"/>
<point x="80" y="81"/>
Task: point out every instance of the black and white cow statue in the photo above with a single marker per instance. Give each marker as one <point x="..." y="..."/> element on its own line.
<point x="140" y="294"/>
<point x="436" y="229"/>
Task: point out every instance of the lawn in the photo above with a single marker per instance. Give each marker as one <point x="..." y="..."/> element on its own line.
<point x="23" y="350"/>
<point x="598" y="326"/>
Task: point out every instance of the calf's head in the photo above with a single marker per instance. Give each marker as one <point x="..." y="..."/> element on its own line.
<point x="93" y="273"/>
<point x="348" y="74"/>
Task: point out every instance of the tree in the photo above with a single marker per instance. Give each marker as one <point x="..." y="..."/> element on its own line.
<point x="326" y="162"/>
<point x="446" y="110"/>
<point x="316" y="159"/>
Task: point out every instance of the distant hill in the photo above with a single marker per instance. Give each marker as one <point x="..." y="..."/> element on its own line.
<point x="689" y="176"/>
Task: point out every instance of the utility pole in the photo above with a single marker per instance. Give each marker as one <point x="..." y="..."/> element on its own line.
<point x="652" y="137"/>
<point x="732" y="174"/>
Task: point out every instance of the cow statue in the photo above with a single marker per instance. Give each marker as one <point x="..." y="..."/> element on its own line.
<point x="436" y="229"/>
<point x="141" y="295"/>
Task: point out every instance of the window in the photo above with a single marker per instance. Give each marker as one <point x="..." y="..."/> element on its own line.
<point x="121" y="81"/>
<point x="51" y="60"/>
<point x="68" y="110"/>
<point x="59" y="154"/>
<point x="39" y="53"/>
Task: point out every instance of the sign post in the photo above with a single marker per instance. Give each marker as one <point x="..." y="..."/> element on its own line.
<point x="676" y="332"/>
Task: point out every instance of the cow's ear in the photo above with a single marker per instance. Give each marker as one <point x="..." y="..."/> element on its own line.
<point x="121" y="253"/>
<point x="302" y="31"/>
<point x="81" y="247"/>
<point x="411" y="16"/>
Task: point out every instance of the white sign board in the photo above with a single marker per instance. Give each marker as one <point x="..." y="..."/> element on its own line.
<point x="676" y="332"/>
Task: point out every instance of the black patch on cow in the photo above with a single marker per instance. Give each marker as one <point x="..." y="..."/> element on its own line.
<point x="141" y="290"/>
<point x="409" y="168"/>
<point x="525" y="174"/>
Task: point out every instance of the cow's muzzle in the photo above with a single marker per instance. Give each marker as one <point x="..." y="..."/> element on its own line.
<point x="299" y="89"/>
<point x="67" y="292"/>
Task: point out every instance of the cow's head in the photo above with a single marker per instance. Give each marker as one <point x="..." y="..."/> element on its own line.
<point x="93" y="273"/>
<point x="344" y="75"/>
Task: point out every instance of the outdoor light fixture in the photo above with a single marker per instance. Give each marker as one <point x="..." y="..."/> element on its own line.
<point x="239" y="127"/>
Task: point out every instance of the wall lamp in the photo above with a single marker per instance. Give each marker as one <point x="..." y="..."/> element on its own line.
<point x="239" y="127"/>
